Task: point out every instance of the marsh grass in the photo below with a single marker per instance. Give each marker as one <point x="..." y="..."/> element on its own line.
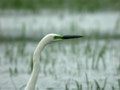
<point x="35" y="35"/>
<point x="79" y="86"/>
<point x="52" y="64"/>
<point x="101" y="57"/>
<point x="31" y="64"/>
<point x="13" y="71"/>
<point x="66" y="87"/>
<point x="93" y="59"/>
<point x="98" y="87"/>
<point x="113" y="88"/>
<point x="78" y="5"/>
<point x="117" y="25"/>
<point x="87" y="52"/>
<point x="87" y="81"/>
<point x="104" y="86"/>
<point x="21" y="48"/>
<point x="64" y="60"/>
<point x="119" y="83"/>
<point x="0" y="32"/>
<point x="9" y="53"/>
<point x="23" y="33"/>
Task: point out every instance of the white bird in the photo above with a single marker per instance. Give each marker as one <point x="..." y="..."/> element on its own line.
<point x="36" y="56"/>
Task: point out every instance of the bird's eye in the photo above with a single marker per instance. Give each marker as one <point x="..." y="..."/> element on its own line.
<point x="58" y="37"/>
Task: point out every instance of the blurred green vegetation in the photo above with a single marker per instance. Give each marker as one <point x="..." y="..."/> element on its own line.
<point x="80" y="5"/>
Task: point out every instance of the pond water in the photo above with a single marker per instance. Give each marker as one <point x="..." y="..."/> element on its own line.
<point x="37" y="25"/>
<point x="81" y="64"/>
<point x="64" y="63"/>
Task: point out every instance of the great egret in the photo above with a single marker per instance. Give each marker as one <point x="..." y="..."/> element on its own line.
<point x="36" y="62"/>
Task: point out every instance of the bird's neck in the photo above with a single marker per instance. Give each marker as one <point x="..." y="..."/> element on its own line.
<point x="36" y="67"/>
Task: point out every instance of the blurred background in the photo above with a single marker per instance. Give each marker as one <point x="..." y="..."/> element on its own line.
<point x="89" y="63"/>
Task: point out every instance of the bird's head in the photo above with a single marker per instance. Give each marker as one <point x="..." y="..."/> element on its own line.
<point x="56" y="37"/>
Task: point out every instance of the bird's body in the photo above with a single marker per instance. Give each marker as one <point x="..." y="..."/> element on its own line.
<point x="36" y="56"/>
